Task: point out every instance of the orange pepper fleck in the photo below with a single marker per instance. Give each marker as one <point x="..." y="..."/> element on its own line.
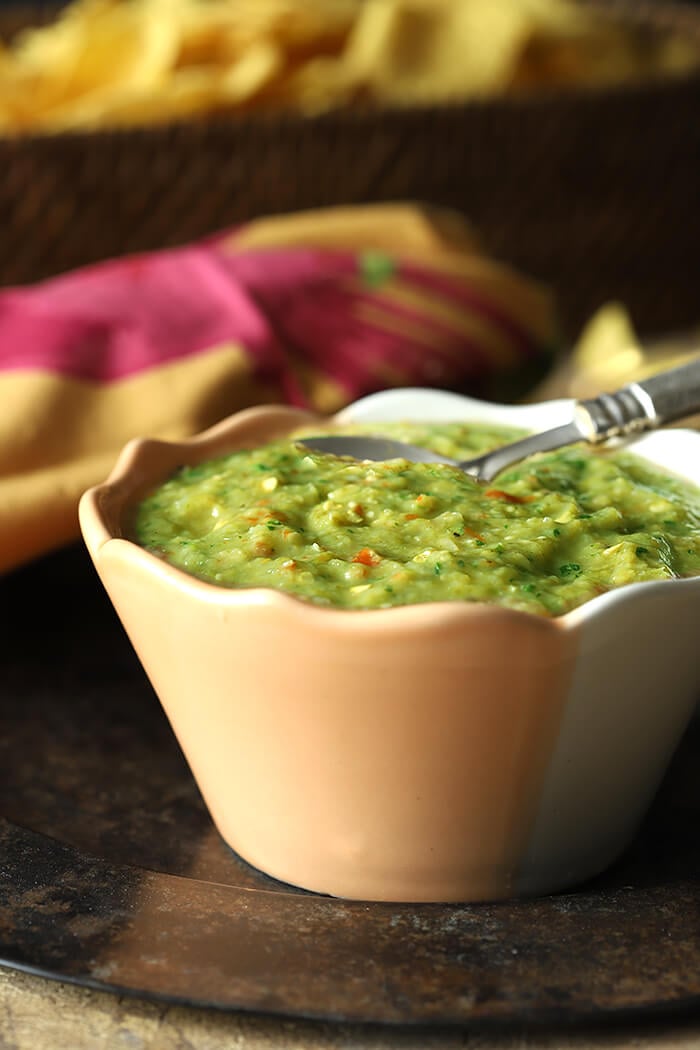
<point x="367" y="557"/>
<point x="472" y="532"/>
<point x="509" y="497"/>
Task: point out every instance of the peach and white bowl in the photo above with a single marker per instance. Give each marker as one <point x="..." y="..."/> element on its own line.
<point x="436" y="752"/>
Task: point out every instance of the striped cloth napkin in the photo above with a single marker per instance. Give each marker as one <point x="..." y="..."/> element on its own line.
<point x="314" y="310"/>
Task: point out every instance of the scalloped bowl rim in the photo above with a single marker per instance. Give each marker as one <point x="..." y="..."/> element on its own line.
<point x="417" y="404"/>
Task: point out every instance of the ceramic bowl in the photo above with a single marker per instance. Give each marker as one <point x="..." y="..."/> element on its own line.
<point x="436" y="752"/>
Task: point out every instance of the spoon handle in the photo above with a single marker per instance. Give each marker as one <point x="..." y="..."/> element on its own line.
<point x="662" y="398"/>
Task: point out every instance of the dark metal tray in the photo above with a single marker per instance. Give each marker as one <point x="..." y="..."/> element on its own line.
<point x="111" y="874"/>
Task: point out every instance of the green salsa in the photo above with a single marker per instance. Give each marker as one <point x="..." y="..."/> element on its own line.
<point x="548" y="535"/>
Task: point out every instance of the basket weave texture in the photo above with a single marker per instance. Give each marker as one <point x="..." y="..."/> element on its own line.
<point x="594" y="191"/>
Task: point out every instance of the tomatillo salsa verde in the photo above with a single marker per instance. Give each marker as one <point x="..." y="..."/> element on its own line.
<point x="549" y="534"/>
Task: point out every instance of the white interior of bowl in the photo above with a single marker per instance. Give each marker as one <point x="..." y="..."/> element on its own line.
<point x="418" y="404"/>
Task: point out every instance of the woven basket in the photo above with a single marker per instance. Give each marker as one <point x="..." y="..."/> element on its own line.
<point x="593" y="191"/>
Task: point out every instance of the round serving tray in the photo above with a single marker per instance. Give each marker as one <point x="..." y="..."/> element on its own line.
<point x="112" y="875"/>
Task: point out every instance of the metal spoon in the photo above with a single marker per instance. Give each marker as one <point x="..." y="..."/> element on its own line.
<point x="664" y="398"/>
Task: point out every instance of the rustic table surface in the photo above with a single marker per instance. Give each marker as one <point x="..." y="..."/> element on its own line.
<point x="38" y="1014"/>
